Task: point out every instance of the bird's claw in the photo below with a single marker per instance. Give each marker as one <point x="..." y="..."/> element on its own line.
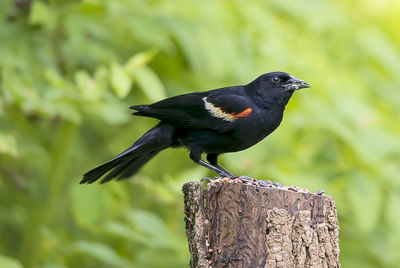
<point x="320" y="192"/>
<point x="277" y="184"/>
<point x="265" y="183"/>
<point x="209" y="179"/>
<point x="246" y="179"/>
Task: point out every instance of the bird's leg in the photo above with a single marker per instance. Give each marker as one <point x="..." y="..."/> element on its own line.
<point x="213" y="160"/>
<point x="196" y="157"/>
<point x="212" y="168"/>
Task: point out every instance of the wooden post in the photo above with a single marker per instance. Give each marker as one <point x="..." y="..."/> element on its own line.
<point x="253" y="224"/>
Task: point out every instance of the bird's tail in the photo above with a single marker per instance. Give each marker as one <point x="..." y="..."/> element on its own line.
<point x="131" y="160"/>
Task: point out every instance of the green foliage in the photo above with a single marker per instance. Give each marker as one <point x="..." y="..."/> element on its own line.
<point x="6" y="262"/>
<point x="70" y="69"/>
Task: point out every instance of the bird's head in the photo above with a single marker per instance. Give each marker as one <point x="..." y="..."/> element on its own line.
<point x="283" y="81"/>
<point x="276" y="87"/>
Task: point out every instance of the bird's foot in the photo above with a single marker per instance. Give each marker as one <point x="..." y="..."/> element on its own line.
<point x="265" y="183"/>
<point x="320" y="192"/>
<point x="262" y="183"/>
<point x="246" y="178"/>
<point x="228" y="178"/>
<point x="210" y="179"/>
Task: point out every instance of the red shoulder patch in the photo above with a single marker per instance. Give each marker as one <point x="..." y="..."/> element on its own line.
<point x="244" y="113"/>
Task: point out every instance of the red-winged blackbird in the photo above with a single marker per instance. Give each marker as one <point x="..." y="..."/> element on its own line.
<point x="218" y="121"/>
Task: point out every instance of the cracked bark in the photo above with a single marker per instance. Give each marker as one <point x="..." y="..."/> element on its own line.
<point x="241" y="224"/>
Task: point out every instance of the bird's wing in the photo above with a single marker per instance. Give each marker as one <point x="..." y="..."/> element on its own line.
<point x="217" y="110"/>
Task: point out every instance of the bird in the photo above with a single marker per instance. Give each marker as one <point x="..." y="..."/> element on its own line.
<point x="213" y="122"/>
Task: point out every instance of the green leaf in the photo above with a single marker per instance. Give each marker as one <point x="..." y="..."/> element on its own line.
<point x="127" y="233"/>
<point x="139" y="60"/>
<point x="41" y="14"/>
<point x="102" y="253"/>
<point x="86" y="85"/>
<point x="150" y="229"/>
<point x="8" y="145"/>
<point x="7" y="262"/>
<point x="119" y="229"/>
<point x="149" y="83"/>
<point x="147" y="222"/>
<point x="120" y="80"/>
<point x="55" y="79"/>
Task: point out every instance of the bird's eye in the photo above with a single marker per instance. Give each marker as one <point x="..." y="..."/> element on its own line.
<point x="276" y="79"/>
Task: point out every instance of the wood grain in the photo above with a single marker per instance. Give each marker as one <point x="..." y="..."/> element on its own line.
<point x="245" y="225"/>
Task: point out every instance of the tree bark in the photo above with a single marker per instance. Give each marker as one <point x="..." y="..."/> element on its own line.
<point x="239" y="223"/>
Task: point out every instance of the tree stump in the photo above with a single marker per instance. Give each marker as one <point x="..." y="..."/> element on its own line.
<point x="235" y="223"/>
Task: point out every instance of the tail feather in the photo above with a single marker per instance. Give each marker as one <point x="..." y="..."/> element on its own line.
<point x="131" y="160"/>
<point x="139" y="110"/>
<point x="94" y="174"/>
<point x="136" y="165"/>
<point x="128" y="167"/>
<point x="117" y="171"/>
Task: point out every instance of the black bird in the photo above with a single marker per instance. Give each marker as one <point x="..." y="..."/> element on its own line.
<point x="218" y="121"/>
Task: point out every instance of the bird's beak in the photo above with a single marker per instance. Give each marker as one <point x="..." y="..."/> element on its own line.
<point x="295" y="84"/>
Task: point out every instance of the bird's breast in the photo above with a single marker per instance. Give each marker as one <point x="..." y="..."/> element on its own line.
<point x="259" y="126"/>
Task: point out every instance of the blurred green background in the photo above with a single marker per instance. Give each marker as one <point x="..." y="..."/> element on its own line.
<point x="69" y="70"/>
